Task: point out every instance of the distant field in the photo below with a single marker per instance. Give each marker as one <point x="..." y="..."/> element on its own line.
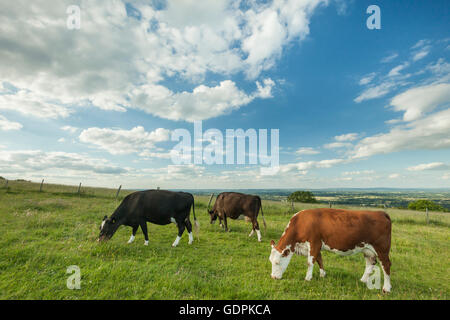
<point x="42" y="233"/>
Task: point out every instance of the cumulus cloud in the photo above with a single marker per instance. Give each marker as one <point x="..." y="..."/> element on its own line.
<point x="367" y="78"/>
<point x="123" y="53"/>
<point x="7" y="125"/>
<point x="303" y="166"/>
<point x="306" y="151"/>
<point x="23" y="161"/>
<point x="417" y="101"/>
<point x="70" y="129"/>
<point x="396" y="70"/>
<point x="428" y="133"/>
<point x="119" y="141"/>
<point x="430" y="166"/>
<point x="346" y="137"/>
<point x="376" y="91"/>
<point x="389" y="58"/>
<point x="202" y="103"/>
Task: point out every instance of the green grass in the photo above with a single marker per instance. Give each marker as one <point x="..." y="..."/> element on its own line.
<point x="41" y="234"/>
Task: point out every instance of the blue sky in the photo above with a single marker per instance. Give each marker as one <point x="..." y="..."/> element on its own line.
<point x="354" y="107"/>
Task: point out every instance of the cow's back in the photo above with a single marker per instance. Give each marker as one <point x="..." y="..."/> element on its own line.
<point x="233" y="204"/>
<point x="343" y="229"/>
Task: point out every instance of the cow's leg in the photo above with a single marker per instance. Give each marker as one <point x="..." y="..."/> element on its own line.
<point x="320" y="263"/>
<point x="181" y="227"/>
<point x="386" y="266"/>
<point x="133" y="235"/>
<point x="371" y="260"/>
<point x="252" y="232"/>
<point x="144" y="231"/>
<point x="220" y="222"/>
<point x="225" y="223"/>
<point x="189" y="229"/>
<point x="256" y="228"/>
<point x="313" y="253"/>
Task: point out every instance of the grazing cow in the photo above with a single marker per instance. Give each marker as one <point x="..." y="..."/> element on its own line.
<point x="156" y="206"/>
<point x="232" y="205"/>
<point x="344" y="232"/>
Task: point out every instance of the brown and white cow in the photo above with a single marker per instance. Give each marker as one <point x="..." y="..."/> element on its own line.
<point x="344" y="232"/>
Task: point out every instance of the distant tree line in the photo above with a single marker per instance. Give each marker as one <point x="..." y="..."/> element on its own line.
<point x="302" y="196"/>
<point x="422" y="205"/>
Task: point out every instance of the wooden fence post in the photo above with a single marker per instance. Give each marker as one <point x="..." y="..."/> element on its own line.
<point x="118" y="190"/>
<point x="6" y="184"/>
<point x="42" y="183"/>
<point x="79" y="189"/>
<point x="329" y="203"/>
<point x="292" y="206"/>
<point x="428" y="218"/>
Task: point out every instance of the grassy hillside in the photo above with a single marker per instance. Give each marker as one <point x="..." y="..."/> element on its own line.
<point x="42" y="233"/>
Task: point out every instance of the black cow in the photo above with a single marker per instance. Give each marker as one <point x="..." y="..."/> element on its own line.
<point x="156" y="206"/>
<point x="232" y="205"/>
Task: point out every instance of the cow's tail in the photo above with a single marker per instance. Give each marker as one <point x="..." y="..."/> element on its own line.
<point x="262" y="214"/>
<point x="196" y="224"/>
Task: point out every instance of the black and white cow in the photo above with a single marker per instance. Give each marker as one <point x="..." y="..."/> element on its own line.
<point x="156" y="206"/>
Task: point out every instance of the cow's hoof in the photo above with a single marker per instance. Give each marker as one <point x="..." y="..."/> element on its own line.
<point x="363" y="280"/>
<point x="308" y="278"/>
<point x="386" y="290"/>
<point x="322" y="273"/>
<point x="146" y="243"/>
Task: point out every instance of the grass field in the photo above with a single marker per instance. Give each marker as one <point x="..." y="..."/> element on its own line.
<point x="42" y="233"/>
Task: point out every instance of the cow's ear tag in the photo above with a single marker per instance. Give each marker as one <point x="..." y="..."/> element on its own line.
<point x="285" y="252"/>
<point x="272" y="243"/>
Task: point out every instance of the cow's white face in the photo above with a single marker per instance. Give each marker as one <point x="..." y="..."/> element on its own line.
<point x="279" y="261"/>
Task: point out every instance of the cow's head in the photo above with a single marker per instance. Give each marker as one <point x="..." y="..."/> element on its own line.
<point x="212" y="215"/>
<point x="279" y="260"/>
<point x="107" y="229"/>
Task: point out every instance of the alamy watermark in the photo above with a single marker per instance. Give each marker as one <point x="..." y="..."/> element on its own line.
<point x="374" y="20"/>
<point x="74" y="281"/>
<point x="73" y="17"/>
<point x="220" y="150"/>
<point x="374" y="280"/>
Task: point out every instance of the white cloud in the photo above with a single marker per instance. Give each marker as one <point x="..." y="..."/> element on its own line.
<point x="302" y="167"/>
<point x="430" y="166"/>
<point x="417" y="101"/>
<point x="367" y="78"/>
<point x="375" y="92"/>
<point x="421" y="53"/>
<point x="185" y="39"/>
<point x="346" y="137"/>
<point x="119" y="141"/>
<point x="6" y="125"/>
<point x="389" y="58"/>
<point x="429" y="133"/>
<point x="396" y="70"/>
<point x="21" y="162"/>
<point x="394" y="176"/>
<point x="69" y="129"/>
<point x="306" y="151"/>
<point x="202" y="103"/>
<point x="337" y="145"/>
<point x="354" y="173"/>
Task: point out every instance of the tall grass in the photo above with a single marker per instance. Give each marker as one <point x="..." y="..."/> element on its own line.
<point x="42" y="233"/>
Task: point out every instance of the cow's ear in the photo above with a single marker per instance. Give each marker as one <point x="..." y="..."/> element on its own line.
<point x="285" y="252"/>
<point x="272" y="243"/>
